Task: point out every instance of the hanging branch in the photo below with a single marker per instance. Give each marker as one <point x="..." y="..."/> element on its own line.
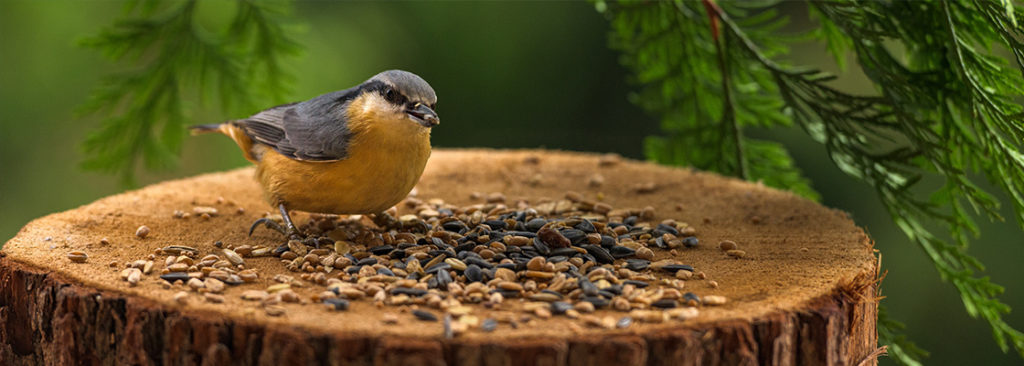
<point x="167" y="56"/>
<point x="947" y="112"/>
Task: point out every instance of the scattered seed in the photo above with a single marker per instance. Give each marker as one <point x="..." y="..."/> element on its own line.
<point x="142" y="232"/>
<point x="233" y="257"/>
<point x="204" y="210"/>
<point x="624" y="322"/>
<point x="690" y="241"/>
<point x="736" y="253"/>
<point x="609" y="160"/>
<point x="337" y="304"/>
<point x="274" y="310"/>
<point x="714" y="300"/>
<point x="175" y="276"/>
<point x="78" y="257"/>
<point x="727" y="245"/>
<point x="567" y="257"/>
<point x="181" y="297"/>
<point x="489" y="325"/>
<point x="553" y="238"/>
<point x="424" y="315"/>
<point x="214" y="298"/>
<point x="213" y="285"/>
<point x="683" y="313"/>
<point x="644" y="188"/>
<point x="132" y="275"/>
<point x="254" y="295"/>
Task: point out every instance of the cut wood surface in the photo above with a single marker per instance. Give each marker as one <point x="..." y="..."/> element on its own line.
<point x="804" y="293"/>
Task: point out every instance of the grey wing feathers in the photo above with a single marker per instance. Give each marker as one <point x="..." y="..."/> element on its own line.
<point x="314" y="130"/>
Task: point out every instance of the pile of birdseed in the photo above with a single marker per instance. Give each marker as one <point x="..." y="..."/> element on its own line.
<point x="569" y="257"/>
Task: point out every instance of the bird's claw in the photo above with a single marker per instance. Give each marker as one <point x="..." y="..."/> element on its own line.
<point x="271" y="224"/>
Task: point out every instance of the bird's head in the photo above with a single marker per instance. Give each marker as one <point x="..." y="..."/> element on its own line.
<point x="401" y="95"/>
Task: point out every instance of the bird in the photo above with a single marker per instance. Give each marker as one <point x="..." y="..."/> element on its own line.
<point x="355" y="151"/>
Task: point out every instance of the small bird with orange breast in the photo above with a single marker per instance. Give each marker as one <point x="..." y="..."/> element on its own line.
<point x="354" y="151"/>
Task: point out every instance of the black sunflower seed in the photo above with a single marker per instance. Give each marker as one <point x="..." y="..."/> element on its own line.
<point x="598" y="302"/>
<point x="599" y="253"/>
<point x="690" y="241"/>
<point x="535" y="224"/>
<point x="495" y="224"/>
<point x="473" y="273"/>
<point x="589" y="289"/>
<point x="560" y="307"/>
<point x="424" y="315"/>
<point x="175" y="276"/>
<point x="635" y="264"/>
<point x="574" y="235"/>
<point x="665" y="304"/>
<point x="408" y="291"/>
<point x="677" y="267"/>
<point x="489" y="325"/>
<point x="381" y="250"/>
<point x="337" y="304"/>
<point x="586" y="226"/>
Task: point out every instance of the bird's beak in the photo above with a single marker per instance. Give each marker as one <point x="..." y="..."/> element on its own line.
<point x="424" y="115"/>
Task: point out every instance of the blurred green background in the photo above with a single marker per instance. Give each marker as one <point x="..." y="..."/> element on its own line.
<point x="509" y="74"/>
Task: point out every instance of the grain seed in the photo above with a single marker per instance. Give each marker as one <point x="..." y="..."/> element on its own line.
<point x="181" y="297"/>
<point x="274" y="310"/>
<point x="78" y="257"/>
<point x="142" y="232"/>
<point x="254" y="295"/>
<point x="714" y="300"/>
<point x="213" y="285"/>
<point x="736" y="253"/>
<point x="233" y="257"/>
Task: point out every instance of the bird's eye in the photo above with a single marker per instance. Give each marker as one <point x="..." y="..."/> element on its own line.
<point x="393" y="96"/>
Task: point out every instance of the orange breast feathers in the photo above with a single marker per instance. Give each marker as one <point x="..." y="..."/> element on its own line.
<point x="385" y="158"/>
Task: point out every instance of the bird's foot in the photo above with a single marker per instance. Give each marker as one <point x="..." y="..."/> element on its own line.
<point x="290" y="233"/>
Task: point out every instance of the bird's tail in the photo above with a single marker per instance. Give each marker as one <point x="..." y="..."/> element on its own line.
<point x="232" y="130"/>
<point x="201" y="129"/>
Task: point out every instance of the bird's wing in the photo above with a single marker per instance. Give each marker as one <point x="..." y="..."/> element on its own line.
<point x="314" y="130"/>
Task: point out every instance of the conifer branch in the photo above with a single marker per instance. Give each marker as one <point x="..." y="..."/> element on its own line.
<point x="948" y="111"/>
<point x="168" y="57"/>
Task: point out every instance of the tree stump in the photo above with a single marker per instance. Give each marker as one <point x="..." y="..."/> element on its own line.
<point x="805" y="293"/>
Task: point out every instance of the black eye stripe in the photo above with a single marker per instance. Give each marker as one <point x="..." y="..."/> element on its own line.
<point x="392" y="95"/>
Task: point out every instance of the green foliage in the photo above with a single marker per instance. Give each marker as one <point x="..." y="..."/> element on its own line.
<point x="944" y="111"/>
<point x="705" y="98"/>
<point x="166" y="54"/>
<point x="898" y="345"/>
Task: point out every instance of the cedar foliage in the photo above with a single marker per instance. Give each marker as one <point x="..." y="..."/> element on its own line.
<point x="168" y="56"/>
<point x="947" y="75"/>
